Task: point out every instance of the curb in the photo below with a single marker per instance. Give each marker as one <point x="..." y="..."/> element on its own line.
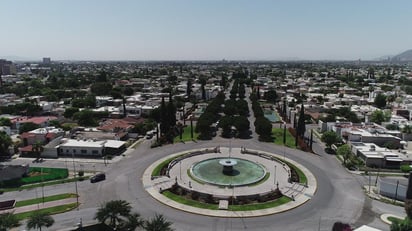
<point x="384" y="217"/>
<point x="147" y="183"/>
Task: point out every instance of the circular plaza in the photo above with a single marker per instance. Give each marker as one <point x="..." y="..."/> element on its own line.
<point x="229" y="182"/>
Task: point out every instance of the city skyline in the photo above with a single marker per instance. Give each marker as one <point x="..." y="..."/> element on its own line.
<point x="212" y="30"/>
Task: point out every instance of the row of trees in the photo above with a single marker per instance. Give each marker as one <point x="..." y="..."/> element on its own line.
<point x="210" y="116"/>
<point x="117" y="214"/>
<point x="236" y="113"/>
<point x="263" y="126"/>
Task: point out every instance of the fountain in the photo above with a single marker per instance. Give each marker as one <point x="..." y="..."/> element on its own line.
<point x="235" y="172"/>
<point x="228" y="166"/>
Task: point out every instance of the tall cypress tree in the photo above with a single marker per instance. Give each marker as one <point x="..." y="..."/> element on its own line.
<point x="300" y="129"/>
<point x="171" y="112"/>
<point x="164" y="122"/>
<point x="189" y="88"/>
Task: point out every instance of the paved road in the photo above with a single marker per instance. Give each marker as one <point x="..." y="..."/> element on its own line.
<point x="339" y="196"/>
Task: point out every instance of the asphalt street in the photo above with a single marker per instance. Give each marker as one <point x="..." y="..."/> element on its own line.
<point x="339" y="196"/>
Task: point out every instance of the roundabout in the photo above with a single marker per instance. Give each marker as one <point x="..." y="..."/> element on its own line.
<point x="229" y="182"/>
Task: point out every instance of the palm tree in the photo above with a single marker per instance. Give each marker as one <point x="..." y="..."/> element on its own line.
<point x="8" y="221"/>
<point x="116" y="211"/>
<point x="158" y="223"/>
<point x="133" y="221"/>
<point x="39" y="220"/>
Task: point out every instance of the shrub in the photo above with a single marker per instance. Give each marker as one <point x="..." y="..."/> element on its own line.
<point x="406" y="168"/>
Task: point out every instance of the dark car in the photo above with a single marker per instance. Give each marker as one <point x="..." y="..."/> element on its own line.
<point x="98" y="177"/>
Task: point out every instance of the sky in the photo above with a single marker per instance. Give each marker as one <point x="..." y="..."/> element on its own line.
<point x="205" y="29"/>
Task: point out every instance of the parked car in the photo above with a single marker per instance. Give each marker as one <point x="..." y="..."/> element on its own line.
<point x="98" y="177"/>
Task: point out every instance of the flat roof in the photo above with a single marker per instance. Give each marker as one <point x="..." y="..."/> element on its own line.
<point x="114" y="143"/>
<point x="82" y="143"/>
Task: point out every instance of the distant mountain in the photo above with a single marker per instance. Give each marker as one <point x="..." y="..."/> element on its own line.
<point x="404" y="56"/>
<point x="384" y="58"/>
<point x="17" y="58"/>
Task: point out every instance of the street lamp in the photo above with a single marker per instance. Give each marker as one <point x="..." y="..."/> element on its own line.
<point x="180" y="164"/>
<point x="274" y="176"/>
<point x="75" y="182"/>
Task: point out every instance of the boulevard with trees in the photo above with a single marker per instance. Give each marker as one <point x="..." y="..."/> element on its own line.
<point x="263" y="126"/>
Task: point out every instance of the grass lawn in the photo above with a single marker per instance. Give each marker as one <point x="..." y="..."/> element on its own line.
<point x="46" y="199"/>
<point x="249" y="207"/>
<point x="277" y="133"/>
<point x="51" y="210"/>
<point x="393" y="219"/>
<point x="266" y="205"/>
<point x="31" y="186"/>
<point x="192" y="203"/>
<point x="158" y="168"/>
<point x="302" y="176"/>
<point x="186" y="135"/>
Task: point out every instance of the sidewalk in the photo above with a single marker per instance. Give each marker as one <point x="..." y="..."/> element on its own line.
<point x="301" y="194"/>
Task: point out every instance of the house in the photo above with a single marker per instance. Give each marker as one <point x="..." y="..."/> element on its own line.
<point x="373" y="136"/>
<point x="375" y="156"/>
<point x="41" y="121"/>
<point x="41" y="135"/>
<point x="90" y="148"/>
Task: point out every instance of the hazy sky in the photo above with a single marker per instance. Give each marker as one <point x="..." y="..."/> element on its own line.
<point x="204" y="29"/>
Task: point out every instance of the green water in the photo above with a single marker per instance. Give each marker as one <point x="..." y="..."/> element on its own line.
<point x="244" y="172"/>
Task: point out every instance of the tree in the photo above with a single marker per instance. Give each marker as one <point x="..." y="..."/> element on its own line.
<point x="226" y="123"/>
<point x="85" y="118"/>
<point x="379" y="116"/>
<point x="345" y="152"/>
<point x="116" y="212"/>
<point x="301" y="127"/>
<point x="380" y="101"/>
<point x="69" y="112"/>
<point x="271" y="95"/>
<point x="242" y="124"/>
<point x="131" y="223"/>
<point x="189" y="88"/>
<point x="101" y="88"/>
<point x="171" y="112"/>
<point x="407" y="129"/>
<point x="26" y="127"/>
<point x="202" y="81"/>
<point x="5" y="122"/>
<point x="37" y="149"/>
<point x="8" y="221"/>
<point x="158" y="223"/>
<point x="329" y="138"/>
<point x="404" y="225"/>
<point x="5" y="142"/>
<point x="263" y="127"/>
<point x="39" y="220"/>
<point x="164" y="121"/>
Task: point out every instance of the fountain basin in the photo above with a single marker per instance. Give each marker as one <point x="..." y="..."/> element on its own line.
<point x="236" y="172"/>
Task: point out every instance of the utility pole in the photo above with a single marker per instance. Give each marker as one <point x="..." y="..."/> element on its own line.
<point x="396" y="191"/>
<point x="311" y="139"/>
<point x="75" y="182"/>
<point x="191" y="127"/>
